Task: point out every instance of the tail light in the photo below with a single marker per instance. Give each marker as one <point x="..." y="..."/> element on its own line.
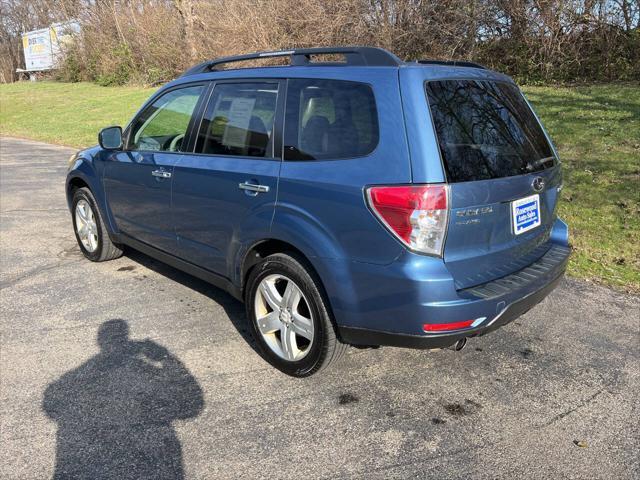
<point x="415" y="214"/>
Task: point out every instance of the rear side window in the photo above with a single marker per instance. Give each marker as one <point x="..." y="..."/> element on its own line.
<point x="239" y="120"/>
<point x="486" y="130"/>
<point x="329" y="119"/>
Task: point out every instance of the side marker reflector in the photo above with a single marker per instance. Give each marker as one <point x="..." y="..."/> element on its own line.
<point x="439" y="327"/>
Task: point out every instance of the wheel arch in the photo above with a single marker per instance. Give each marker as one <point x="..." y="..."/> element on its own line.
<point x="83" y="176"/>
<point x="263" y="248"/>
<point x="73" y="184"/>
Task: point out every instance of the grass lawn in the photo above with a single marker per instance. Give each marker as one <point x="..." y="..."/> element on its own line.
<point x="596" y="129"/>
<point x="597" y="132"/>
<point x="66" y="113"/>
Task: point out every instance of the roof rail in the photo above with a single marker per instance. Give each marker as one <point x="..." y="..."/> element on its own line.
<point x="453" y="63"/>
<point x="363" y="56"/>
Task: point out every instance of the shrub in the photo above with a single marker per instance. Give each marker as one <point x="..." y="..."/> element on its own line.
<point x="151" y="41"/>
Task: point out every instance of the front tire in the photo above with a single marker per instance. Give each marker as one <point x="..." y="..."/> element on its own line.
<point x="289" y="316"/>
<point x="91" y="233"/>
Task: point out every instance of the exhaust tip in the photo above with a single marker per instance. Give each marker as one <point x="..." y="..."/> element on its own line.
<point x="459" y="345"/>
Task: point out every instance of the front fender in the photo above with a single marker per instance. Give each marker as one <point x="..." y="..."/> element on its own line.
<point x="86" y="169"/>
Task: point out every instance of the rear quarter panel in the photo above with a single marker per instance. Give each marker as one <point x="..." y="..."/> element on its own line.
<point x="321" y="206"/>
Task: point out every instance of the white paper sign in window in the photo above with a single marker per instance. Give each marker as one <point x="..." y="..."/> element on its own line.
<point x="238" y="120"/>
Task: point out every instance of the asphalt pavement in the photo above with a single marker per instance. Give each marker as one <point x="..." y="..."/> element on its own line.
<point x="132" y="369"/>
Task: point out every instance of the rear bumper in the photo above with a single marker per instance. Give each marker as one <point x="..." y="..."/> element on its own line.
<point x="362" y="336"/>
<point x="492" y="304"/>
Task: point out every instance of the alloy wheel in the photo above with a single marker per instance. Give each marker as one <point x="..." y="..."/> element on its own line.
<point x="86" y="226"/>
<point x="283" y="317"/>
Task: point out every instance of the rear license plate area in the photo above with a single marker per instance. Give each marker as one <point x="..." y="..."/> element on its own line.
<point x="525" y="214"/>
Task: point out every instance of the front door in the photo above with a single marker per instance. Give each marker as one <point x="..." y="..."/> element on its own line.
<point x="138" y="180"/>
<point x="224" y="193"/>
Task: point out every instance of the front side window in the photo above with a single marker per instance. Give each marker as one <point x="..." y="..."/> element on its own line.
<point x="163" y="125"/>
<point x="486" y="130"/>
<point x="239" y="120"/>
<point x="329" y="119"/>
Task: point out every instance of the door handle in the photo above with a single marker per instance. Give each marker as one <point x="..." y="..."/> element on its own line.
<point x="253" y="187"/>
<point x="161" y="174"/>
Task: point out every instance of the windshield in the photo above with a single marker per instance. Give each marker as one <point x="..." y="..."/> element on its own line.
<point x="486" y="130"/>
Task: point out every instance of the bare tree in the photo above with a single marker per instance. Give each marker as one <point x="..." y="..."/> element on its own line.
<point x="153" y="40"/>
<point x="187" y="14"/>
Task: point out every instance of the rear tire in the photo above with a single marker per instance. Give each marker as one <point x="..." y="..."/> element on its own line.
<point x="91" y="233"/>
<point x="284" y="299"/>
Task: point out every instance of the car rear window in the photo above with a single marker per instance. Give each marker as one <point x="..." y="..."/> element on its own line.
<point x="486" y="130"/>
<point x="329" y="119"/>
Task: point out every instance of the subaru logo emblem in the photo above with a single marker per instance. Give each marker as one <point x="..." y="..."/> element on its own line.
<point x="538" y="184"/>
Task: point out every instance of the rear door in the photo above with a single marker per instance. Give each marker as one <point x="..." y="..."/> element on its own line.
<point x="503" y="178"/>
<point x="225" y="190"/>
<point x="137" y="180"/>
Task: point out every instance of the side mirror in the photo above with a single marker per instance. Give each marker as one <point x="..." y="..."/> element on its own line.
<point x="110" y="138"/>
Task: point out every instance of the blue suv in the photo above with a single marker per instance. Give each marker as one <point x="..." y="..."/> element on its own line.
<point x="347" y="197"/>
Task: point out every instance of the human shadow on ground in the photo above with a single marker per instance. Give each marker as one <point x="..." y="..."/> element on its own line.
<point x="115" y="411"/>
